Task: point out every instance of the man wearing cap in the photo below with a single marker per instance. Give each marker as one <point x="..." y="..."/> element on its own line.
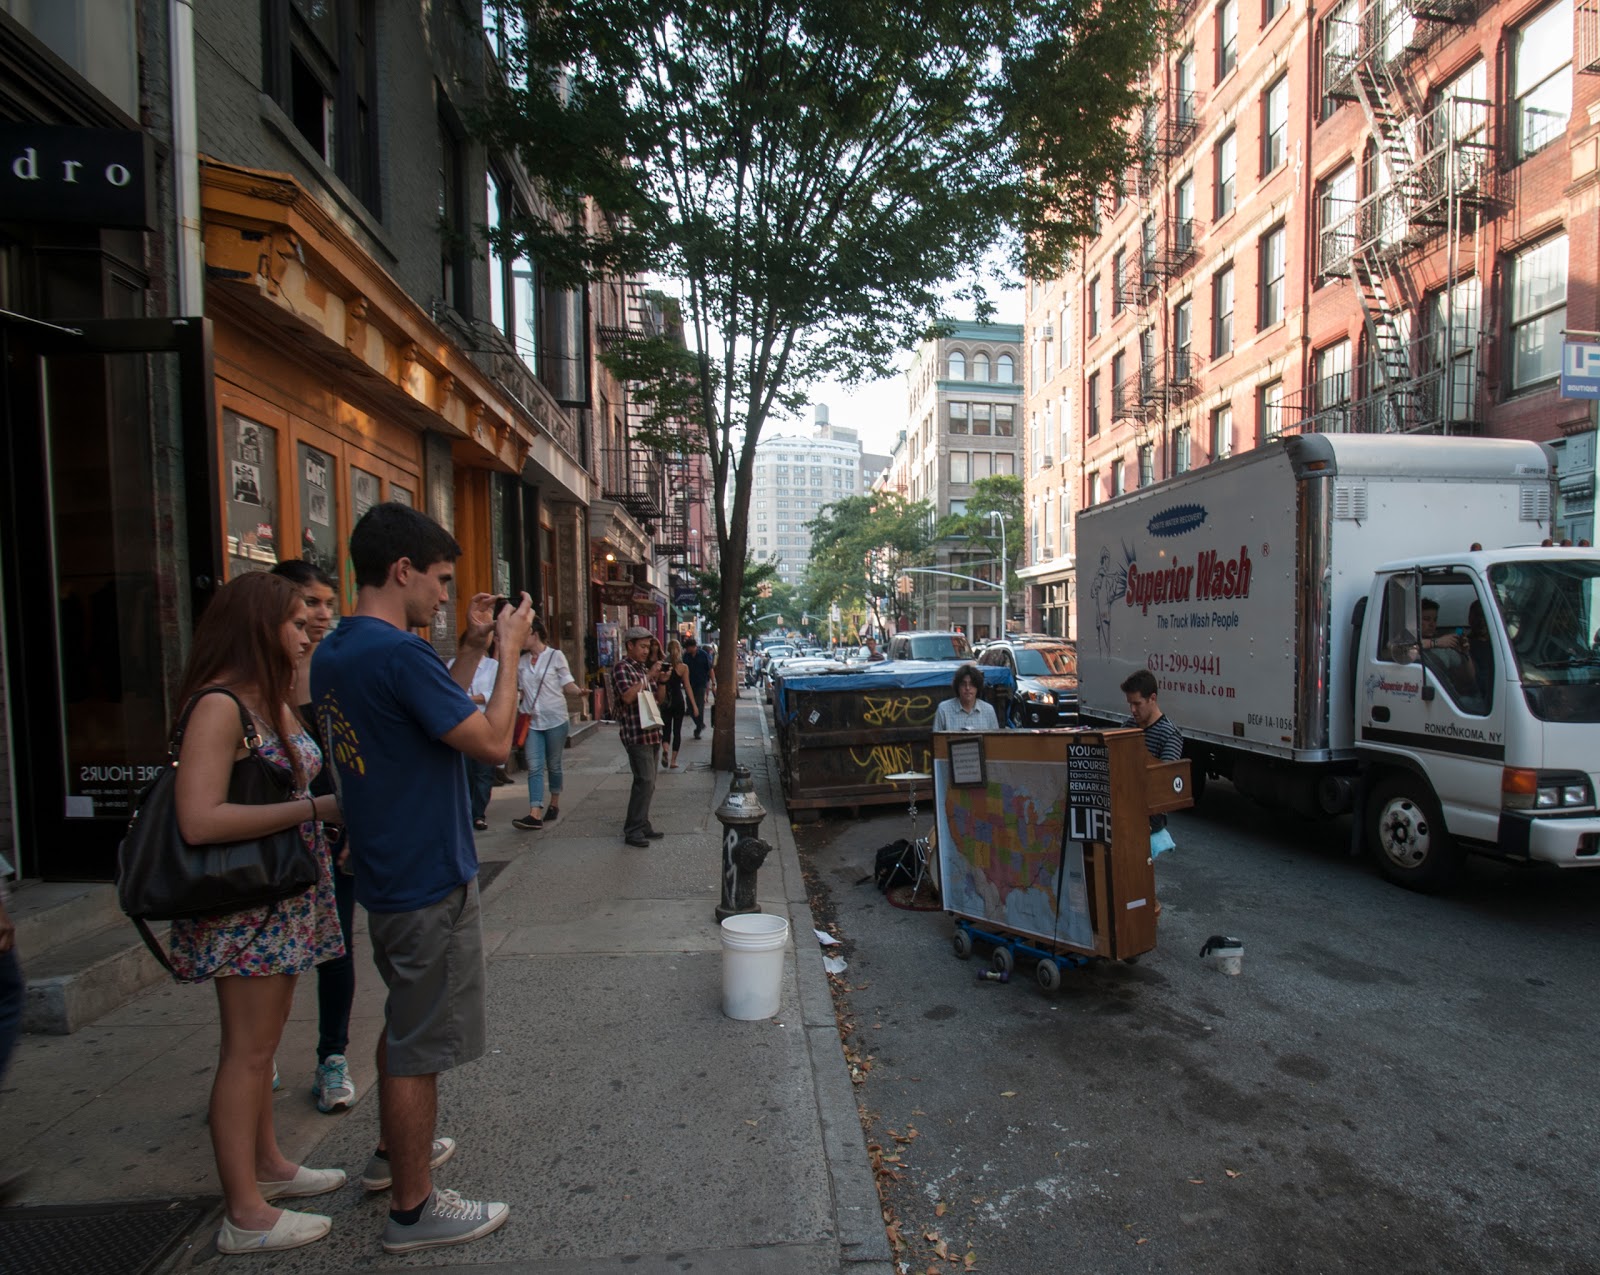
<point x="632" y="679"/>
<point x="701" y="676"/>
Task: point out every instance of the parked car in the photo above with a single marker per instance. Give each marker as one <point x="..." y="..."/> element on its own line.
<point x="929" y="645"/>
<point x="1046" y="673"/>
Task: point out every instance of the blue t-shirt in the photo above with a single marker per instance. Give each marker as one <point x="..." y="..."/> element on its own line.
<point x="383" y="699"/>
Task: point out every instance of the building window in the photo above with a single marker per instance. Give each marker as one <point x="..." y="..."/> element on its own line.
<point x="1005" y="370"/>
<point x="1180" y="450"/>
<point x="961" y="467"/>
<point x="982" y="415"/>
<point x="321" y="68"/>
<point x="1092" y="403"/>
<point x="1091" y="488"/>
<point x="1119" y="386"/>
<point x="1119" y="477"/>
<point x="1453" y="329"/>
<point x="1003" y="464"/>
<point x="1094" y="307"/>
<point x="957" y="418"/>
<point x="1222" y="312"/>
<point x="1336" y="216"/>
<point x="1275" y="125"/>
<point x="1225" y="158"/>
<point x="1227" y="37"/>
<point x="1541" y="78"/>
<point x="1147" y="464"/>
<point x="1273" y="250"/>
<point x="1147" y="253"/>
<point x="455" y="236"/>
<point x="1341" y="45"/>
<point x="1222" y="432"/>
<point x="1269" y="410"/>
<point x="1182" y="340"/>
<point x="1119" y="279"/>
<point x="1005" y="420"/>
<point x="1271" y="9"/>
<point x="957" y="365"/>
<point x="1334" y="381"/>
<point x="1187" y="87"/>
<point x="1538" y="312"/>
<point x="980" y="367"/>
<point x="1183" y="216"/>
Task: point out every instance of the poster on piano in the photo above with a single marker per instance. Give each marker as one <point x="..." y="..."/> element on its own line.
<point x="1011" y="852"/>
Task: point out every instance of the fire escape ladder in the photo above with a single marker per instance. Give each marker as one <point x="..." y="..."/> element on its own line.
<point x="1395" y="393"/>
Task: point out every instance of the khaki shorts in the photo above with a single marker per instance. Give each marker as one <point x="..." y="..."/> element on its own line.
<point x="431" y="960"/>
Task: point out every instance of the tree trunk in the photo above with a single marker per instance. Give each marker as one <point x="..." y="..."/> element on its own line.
<point x="724" y="752"/>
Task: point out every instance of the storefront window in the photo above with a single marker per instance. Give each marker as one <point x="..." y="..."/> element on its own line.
<point x="402" y="496"/>
<point x="319" y="530"/>
<point x="252" y="458"/>
<point x="364" y="490"/>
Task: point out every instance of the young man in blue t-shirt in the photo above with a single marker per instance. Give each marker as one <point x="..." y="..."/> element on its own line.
<point x="398" y="726"/>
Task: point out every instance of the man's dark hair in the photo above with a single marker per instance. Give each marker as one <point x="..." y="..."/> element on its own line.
<point x="688" y="642"/>
<point x="1141" y="682"/>
<point x="391" y="531"/>
<point x="1428" y="604"/>
<point x="300" y="572"/>
<point x="967" y="673"/>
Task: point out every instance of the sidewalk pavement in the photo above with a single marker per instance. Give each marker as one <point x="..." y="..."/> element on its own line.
<point x="630" y="1125"/>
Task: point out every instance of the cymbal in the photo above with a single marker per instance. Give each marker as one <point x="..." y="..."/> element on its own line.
<point x="908" y="775"/>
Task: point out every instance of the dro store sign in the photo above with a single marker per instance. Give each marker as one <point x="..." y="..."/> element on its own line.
<point x="86" y="176"/>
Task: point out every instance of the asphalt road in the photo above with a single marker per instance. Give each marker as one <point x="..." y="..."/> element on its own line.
<point x="1394" y="1083"/>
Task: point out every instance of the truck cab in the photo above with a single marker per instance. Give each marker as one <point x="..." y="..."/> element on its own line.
<point x="1477" y="713"/>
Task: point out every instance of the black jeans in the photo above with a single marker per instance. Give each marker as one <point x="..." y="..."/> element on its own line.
<point x="336" y="979"/>
<point x="699" y="714"/>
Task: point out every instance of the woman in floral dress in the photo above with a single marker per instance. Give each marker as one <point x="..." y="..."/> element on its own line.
<point x="248" y="642"/>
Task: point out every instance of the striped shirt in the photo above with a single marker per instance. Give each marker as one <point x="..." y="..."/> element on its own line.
<point x="1162" y="739"/>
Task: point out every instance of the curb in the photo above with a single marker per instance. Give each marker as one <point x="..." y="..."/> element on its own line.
<point x="859" y="1212"/>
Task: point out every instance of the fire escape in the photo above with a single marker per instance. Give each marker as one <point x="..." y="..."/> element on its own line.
<point x="631" y="475"/>
<point x="1430" y="176"/>
<point x="1168" y="248"/>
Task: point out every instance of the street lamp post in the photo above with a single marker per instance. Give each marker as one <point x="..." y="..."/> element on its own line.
<point x="1005" y="564"/>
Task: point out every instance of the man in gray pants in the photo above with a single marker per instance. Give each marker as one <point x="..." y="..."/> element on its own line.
<point x="643" y="743"/>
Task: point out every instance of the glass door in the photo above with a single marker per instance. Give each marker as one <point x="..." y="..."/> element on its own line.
<point x="96" y="621"/>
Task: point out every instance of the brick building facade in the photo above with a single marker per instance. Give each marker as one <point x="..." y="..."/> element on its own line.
<point x="1379" y="217"/>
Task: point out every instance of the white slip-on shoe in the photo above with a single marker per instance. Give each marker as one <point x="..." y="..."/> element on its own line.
<point x="291" y="1230"/>
<point x="305" y="1182"/>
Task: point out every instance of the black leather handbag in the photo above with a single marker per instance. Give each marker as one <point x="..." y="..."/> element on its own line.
<point x="161" y="877"/>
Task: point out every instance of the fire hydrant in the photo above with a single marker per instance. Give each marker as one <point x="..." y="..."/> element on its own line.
<point x="742" y="851"/>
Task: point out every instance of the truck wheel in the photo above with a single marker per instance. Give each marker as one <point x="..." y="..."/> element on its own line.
<point x="1407" y="836"/>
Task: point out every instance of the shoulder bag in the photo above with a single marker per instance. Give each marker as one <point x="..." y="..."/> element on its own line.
<point x="161" y="877"/>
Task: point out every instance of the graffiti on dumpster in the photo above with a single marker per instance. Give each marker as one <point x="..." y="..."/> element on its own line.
<point x="883" y="760"/>
<point x="890" y="710"/>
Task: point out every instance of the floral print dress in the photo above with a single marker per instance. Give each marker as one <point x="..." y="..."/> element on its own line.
<point x="299" y="932"/>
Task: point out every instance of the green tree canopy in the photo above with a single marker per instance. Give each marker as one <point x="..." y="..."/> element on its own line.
<point x="859" y="547"/>
<point x="813" y="173"/>
<point x="1001" y="494"/>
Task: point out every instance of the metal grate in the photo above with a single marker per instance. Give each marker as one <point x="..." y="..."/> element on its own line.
<point x="108" y="1239"/>
<point x="1350" y="501"/>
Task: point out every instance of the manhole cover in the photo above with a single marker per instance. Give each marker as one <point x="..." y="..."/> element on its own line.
<point x="109" y="1239"/>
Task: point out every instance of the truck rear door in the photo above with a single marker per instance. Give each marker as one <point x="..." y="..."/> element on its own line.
<point x="1432" y="688"/>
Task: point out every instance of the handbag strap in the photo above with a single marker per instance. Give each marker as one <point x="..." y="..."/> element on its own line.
<point x="533" y="700"/>
<point x="247" y="724"/>
<point x="156" y="950"/>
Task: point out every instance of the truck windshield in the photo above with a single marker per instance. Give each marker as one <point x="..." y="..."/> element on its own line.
<point x="1551" y="611"/>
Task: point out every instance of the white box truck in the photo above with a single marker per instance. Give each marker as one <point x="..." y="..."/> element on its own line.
<point x="1365" y="623"/>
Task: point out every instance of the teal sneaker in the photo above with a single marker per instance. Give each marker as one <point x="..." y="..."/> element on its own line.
<point x="333" y="1089"/>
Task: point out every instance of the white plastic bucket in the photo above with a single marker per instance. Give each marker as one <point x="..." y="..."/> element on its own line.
<point x="1228" y="958"/>
<point x="752" y="964"/>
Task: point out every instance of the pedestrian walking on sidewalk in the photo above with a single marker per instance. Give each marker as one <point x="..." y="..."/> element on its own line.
<point x="243" y="660"/>
<point x="401" y="726"/>
<point x="702" y="677"/>
<point x="678" y="703"/>
<point x="545" y="690"/>
<point x="331" y="1083"/>
<point x="634" y="678"/>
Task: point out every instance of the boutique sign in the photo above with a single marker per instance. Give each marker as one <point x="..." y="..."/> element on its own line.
<point x="84" y="176"/>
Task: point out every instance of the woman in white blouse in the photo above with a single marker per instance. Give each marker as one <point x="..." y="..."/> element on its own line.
<point x="546" y="690"/>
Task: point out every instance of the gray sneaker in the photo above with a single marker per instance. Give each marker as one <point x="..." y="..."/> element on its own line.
<point x="378" y="1176"/>
<point x="446" y="1219"/>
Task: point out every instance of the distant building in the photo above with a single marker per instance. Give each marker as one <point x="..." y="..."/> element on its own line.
<point x="964" y="399"/>
<point x="796" y="475"/>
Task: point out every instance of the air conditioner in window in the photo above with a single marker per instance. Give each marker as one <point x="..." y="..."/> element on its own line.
<point x="1048" y="331"/>
<point x="1046" y="461"/>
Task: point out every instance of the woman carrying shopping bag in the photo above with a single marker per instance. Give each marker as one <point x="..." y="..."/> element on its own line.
<point x="546" y="692"/>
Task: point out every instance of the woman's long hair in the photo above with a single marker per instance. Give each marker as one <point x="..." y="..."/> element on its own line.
<point x="239" y="642"/>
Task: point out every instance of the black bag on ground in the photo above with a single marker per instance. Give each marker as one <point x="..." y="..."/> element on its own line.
<point x="161" y="877"/>
<point x="896" y="864"/>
